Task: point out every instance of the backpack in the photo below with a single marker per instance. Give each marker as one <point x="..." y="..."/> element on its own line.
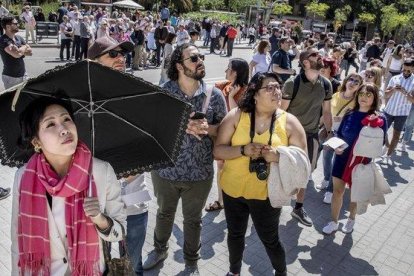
<point x="296" y="83"/>
<point x="369" y="142"/>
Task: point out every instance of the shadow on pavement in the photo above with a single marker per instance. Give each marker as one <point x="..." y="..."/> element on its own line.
<point x="211" y="233"/>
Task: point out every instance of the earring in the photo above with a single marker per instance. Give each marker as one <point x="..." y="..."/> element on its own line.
<point x="37" y="148"/>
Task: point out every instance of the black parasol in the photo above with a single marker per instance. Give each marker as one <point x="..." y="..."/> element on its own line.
<point x="126" y="121"/>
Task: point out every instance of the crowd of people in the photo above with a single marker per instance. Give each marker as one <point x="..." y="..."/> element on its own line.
<point x="264" y="104"/>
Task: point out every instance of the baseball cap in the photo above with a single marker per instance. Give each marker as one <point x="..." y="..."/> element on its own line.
<point x="105" y="44"/>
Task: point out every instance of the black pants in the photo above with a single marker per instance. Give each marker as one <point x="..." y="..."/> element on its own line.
<point x="160" y="46"/>
<point x="1" y="30"/>
<point x="65" y="43"/>
<point x="230" y="44"/>
<point x="213" y="44"/>
<point x="76" y="47"/>
<point x="84" y="47"/>
<point x="354" y="64"/>
<point x="252" y="37"/>
<point x="266" y="221"/>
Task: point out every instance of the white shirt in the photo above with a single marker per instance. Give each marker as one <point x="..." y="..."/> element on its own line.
<point x="182" y="37"/>
<point x="386" y="55"/>
<point x="398" y="104"/>
<point x="27" y="17"/>
<point x="76" y="27"/>
<point x="263" y="63"/>
<point x="3" y="12"/>
<point x="396" y="64"/>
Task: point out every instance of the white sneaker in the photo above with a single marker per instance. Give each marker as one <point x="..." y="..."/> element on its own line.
<point x="403" y="147"/>
<point x="386" y="159"/>
<point x="323" y="185"/>
<point x="327" y="198"/>
<point x="348" y="226"/>
<point x="330" y="228"/>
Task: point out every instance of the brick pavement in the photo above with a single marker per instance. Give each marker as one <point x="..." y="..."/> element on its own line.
<point x="381" y="244"/>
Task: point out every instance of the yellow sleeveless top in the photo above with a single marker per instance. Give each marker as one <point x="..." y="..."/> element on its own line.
<point x="235" y="178"/>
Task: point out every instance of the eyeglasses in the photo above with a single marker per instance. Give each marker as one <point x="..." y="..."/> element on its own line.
<point x="14" y="23"/>
<point x="313" y="55"/>
<point x="357" y="82"/>
<point x="369" y="76"/>
<point x="365" y="94"/>
<point x="271" y="88"/>
<point x="194" y="58"/>
<point x="115" y="53"/>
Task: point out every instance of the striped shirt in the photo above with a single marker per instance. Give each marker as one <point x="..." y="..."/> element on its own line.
<point x="398" y="104"/>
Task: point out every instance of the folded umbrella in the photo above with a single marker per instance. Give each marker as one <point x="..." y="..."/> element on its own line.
<point x="126" y="121"/>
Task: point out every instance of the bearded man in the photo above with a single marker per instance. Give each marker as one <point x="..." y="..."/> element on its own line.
<point x="311" y="99"/>
<point x="192" y="176"/>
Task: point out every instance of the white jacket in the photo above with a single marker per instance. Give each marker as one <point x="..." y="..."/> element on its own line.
<point x="286" y="177"/>
<point x="108" y="189"/>
<point x="368" y="186"/>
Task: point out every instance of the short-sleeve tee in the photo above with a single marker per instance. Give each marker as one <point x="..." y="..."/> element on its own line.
<point x="13" y="67"/>
<point x="262" y="62"/>
<point x="307" y="104"/>
<point x="284" y="60"/>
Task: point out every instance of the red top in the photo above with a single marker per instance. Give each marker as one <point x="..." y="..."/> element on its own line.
<point x="225" y="87"/>
<point x="231" y="33"/>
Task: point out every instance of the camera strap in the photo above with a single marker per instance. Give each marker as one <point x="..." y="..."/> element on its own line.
<point x="252" y="127"/>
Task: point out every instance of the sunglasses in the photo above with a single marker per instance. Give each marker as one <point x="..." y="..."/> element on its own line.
<point x="365" y="94"/>
<point x="272" y="88"/>
<point x="115" y="53"/>
<point x="370" y="76"/>
<point x="194" y="58"/>
<point x="357" y="82"/>
<point x="313" y="55"/>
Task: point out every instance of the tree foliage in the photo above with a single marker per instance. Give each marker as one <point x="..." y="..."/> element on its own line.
<point x="366" y="17"/>
<point x="391" y="19"/>
<point x="317" y="9"/>
<point x="241" y="5"/>
<point x="282" y="8"/>
<point x="341" y="16"/>
<point x="211" y="4"/>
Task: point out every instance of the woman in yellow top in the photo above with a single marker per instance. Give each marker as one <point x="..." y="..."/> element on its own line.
<point x="341" y="102"/>
<point x="247" y="139"/>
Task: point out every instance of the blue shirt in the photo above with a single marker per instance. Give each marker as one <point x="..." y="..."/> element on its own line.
<point x="195" y="161"/>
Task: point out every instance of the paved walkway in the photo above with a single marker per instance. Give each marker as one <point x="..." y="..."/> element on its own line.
<point x="381" y="244"/>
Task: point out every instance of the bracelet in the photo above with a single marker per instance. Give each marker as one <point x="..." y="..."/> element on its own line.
<point x="242" y="150"/>
<point x="108" y="229"/>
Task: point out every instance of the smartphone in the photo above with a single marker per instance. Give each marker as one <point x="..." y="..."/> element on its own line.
<point x="198" y="116"/>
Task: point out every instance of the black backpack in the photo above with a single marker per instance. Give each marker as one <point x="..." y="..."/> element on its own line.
<point x="296" y="83"/>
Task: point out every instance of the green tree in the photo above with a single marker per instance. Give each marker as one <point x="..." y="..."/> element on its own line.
<point x="211" y="4"/>
<point x="341" y="16"/>
<point x="241" y="5"/>
<point x="317" y="9"/>
<point x="367" y="18"/>
<point x="392" y="20"/>
<point x="282" y="8"/>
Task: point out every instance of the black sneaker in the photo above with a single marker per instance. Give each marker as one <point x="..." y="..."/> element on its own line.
<point x="191" y="270"/>
<point x="301" y="215"/>
<point x="4" y="193"/>
<point x="154" y="258"/>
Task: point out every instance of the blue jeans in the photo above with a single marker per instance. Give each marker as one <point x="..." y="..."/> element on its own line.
<point x="328" y="155"/>
<point x="409" y="126"/>
<point x="136" y="231"/>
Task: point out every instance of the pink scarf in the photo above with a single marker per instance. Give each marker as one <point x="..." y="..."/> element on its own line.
<point x="33" y="229"/>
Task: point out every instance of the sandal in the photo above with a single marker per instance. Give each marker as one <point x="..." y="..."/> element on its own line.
<point x="215" y="206"/>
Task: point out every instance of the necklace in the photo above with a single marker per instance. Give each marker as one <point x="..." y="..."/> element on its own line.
<point x="345" y="97"/>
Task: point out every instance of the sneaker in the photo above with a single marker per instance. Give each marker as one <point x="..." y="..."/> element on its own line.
<point x="301" y="215"/>
<point x="323" y="185"/>
<point x="403" y="147"/>
<point x="386" y="159"/>
<point x="330" y="228"/>
<point x="327" y="198"/>
<point x="4" y="193"/>
<point x="153" y="258"/>
<point x="348" y="226"/>
<point x="191" y="270"/>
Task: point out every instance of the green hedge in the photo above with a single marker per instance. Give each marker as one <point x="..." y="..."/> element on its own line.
<point x="229" y="17"/>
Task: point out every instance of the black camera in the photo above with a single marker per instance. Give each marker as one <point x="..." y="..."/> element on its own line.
<point x="259" y="166"/>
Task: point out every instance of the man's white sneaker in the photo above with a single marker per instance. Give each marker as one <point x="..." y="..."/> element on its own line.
<point x="323" y="185"/>
<point x="348" y="226"/>
<point x="327" y="198"/>
<point x="403" y="147"/>
<point x="330" y="228"/>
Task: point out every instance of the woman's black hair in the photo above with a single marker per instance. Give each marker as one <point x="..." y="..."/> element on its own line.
<point x="396" y="52"/>
<point x="241" y="67"/>
<point x="170" y="38"/>
<point x="175" y="58"/>
<point x="247" y="103"/>
<point x="30" y="118"/>
<point x="369" y="87"/>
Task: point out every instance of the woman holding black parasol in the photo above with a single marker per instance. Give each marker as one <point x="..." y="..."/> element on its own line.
<point x="56" y="229"/>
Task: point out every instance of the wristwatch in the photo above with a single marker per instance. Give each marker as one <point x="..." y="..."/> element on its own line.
<point x="242" y="150"/>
